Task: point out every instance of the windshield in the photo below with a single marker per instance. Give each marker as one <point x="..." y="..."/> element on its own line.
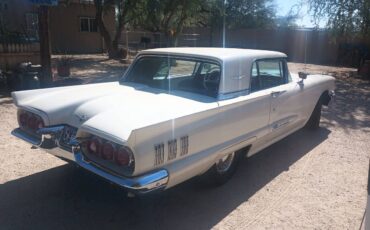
<point x="172" y="73"/>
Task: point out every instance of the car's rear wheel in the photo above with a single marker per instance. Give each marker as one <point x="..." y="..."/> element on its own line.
<point x="314" y="120"/>
<point x="225" y="163"/>
<point x="223" y="169"/>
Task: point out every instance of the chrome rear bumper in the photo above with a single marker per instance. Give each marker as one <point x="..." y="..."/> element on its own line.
<point x="48" y="141"/>
<point x="142" y="184"/>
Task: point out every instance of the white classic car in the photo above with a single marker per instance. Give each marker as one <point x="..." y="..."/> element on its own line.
<point x="175" y="114"/>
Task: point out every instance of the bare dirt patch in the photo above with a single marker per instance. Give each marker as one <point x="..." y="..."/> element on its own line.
<point x="308" y="180"/>
<point x="95" y="68"/>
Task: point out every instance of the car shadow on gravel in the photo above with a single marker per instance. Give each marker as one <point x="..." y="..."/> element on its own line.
<point x="351" y="107"/>
<point x="67" y="197"/>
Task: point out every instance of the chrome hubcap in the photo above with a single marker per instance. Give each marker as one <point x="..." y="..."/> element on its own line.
<point x="224" y="163"/>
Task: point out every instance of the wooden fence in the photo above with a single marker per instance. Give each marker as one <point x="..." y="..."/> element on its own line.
<point x="301" y="45"/>
<point x="11" y="54"/>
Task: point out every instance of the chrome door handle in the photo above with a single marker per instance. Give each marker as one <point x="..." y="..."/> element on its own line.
<point x="275" y="94"/>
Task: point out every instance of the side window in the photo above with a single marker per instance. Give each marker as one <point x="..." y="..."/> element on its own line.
<point x="254" y="78"/>
<point x="271" y="68"/>
<point x="181" y="68"/>
<point x="209" y="68"/>
<point x="162" y="72"/>
<point x="171" y="68"/>
<point x="254" y="70"/>
<point x="267" y="74"/>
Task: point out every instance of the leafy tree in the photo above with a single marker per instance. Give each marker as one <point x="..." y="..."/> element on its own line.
<point x="241" y="13"/>
<point x="171" y="16"/>
<point x="238" y="14"/>
<point x="167" y="16"/>
<point x="123" y="16"/>
<point x="289" y="20"/>
<point x="344" y="17"/>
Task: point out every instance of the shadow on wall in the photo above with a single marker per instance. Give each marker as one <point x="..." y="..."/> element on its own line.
<point x="68" y="198"/>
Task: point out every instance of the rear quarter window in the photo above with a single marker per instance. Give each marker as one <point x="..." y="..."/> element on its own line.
<point x="268" y="73"/>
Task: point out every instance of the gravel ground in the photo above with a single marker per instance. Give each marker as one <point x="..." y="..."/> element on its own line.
<point x="309" y="180"/>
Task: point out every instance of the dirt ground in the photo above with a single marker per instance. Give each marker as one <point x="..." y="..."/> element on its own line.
<point x="309" y="180"/>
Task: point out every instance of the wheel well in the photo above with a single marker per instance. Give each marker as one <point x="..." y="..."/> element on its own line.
<point x="325" y="98"/>
<point x="244" y="150"/>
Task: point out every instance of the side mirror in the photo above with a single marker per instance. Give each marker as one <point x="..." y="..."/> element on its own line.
<point x="302" y="75"/>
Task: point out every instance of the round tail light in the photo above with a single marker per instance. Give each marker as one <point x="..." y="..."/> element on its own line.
<point x="23" y="119"/>
<point x="32" y="122"/>
<point x="108" y="151"/>
<point x="123" y="157"/>
<point x="40" y="124"/>
<point x="94" y="146"/>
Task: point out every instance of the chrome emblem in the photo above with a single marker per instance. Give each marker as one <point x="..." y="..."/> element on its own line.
<point x="172" y="149"/>
<point x="184" y="145"/>
<point x="81" y="117"/>
<point x="159" y="154"/>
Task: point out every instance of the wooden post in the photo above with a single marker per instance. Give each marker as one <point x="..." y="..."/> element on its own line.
<point x="45" y="56"/>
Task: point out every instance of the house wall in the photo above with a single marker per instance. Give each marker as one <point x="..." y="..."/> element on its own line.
<point x="65" y="34"/>
<point x="13" y="14"/>
<point x="19" y="41"/>
<point x="64" y="24"/>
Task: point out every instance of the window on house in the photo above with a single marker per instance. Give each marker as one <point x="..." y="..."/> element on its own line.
<point x="88" y="24"/>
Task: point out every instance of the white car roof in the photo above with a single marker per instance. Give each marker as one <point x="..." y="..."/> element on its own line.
<point x="216" y="53"/>
<point x="236" y="63"/>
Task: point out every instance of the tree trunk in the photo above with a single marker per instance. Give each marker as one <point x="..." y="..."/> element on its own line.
<point x="211" y="36"/>
<point x="111" y="46"/>
<point x="171" y="38"/>
<point x="45" y="56"/>
<point x="117" y="38"/>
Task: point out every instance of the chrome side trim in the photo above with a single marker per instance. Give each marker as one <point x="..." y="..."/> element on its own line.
<point x="230" y="95"/>
<point x="142" y="184"/>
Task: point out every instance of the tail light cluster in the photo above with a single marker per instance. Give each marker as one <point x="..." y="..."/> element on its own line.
<point x="109" y="151"/>
<point x="29" y="120"/>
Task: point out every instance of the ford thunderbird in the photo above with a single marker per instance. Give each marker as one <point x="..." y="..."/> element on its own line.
<point x="177" y="113"/>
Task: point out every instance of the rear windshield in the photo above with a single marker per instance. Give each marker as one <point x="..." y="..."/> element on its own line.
<point x="172" y="73"/>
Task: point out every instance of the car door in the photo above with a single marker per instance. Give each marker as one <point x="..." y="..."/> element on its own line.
<point x="286" y="105"/>
<point x="246" y="116"/>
